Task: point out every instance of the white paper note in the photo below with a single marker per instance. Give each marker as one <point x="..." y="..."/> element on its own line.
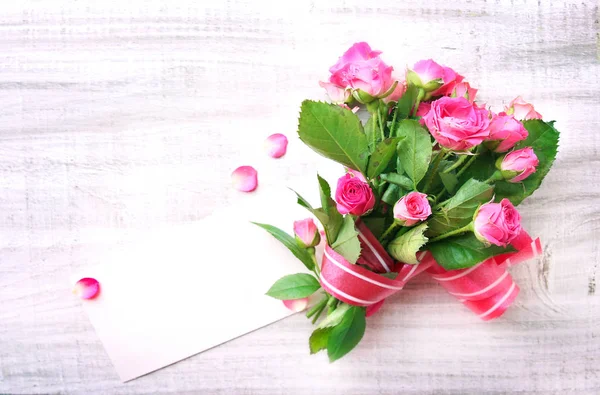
<point x="185" y="289"/>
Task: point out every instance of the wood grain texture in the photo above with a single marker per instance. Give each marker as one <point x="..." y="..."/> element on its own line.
<point x="119" y="117"/>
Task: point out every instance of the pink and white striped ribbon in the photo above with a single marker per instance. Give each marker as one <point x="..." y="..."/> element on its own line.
<point x="486" y="288"/>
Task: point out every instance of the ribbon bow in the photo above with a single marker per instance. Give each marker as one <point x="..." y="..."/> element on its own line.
<point x="487" y="288"/>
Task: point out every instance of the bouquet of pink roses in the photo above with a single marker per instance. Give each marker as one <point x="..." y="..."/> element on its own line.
<point x="431" y="186"/>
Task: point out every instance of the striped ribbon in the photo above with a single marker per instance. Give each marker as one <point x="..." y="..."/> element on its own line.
<point x="486" y="288"/>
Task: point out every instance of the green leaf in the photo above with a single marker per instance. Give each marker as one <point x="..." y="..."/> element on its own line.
<point x="334" y="218"/>
<point x="347" y="243"/>
<point x="414" y="150"/>
<point x="405" y="247"/>
<point x="334" y="132"/>
<point x="543" y="138"/>
<point x="294" y="286"/>
<point x="318" y="339"/>
<point x="392" y="194"/>
<point x="347" y="334"/>
<point x="449" y="180"/>
<point x="463" y="251"/>
<point x="290" y="242"/>
<point x="329" y="217"/>
<point x="381" y="157"/>
<point x="407" y="102"/>
<point x="390" y="275"/>
<point x="458" y="211"/>
<point x="376" y="224"/>
<point x="398" y="179"/>
<point x="336" y="317"/>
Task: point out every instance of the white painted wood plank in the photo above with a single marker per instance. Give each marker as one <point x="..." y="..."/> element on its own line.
<point x="121" y="116"/>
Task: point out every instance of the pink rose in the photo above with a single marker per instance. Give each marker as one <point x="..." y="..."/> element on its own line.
<point x="506" y="131"/>
<point x="519" y="164"/>
<point x="397" y="92"/>
<point x="361" y="68"/>
<point x="307" y="234"/>
<point x="464" y="89"/>
<point x="423" y="109"/>
<point x="521" y="110"/>
<point x="497" y="223"/>
<point x="412" y="208"/>
<point x="434" y="78"/>
<point x="353" y="195"/>
<point x="456" y="123"/>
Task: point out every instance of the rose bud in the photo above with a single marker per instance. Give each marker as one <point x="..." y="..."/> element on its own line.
<point x="522" y="110"/>
<point x="505" y="132"/>
<point x="398" y="91"/>
<point x="353" y="195"/>
<point x="518" y="165"/>
<point x="433" y="78"/>
<point x="412" y="208"/>
<point x="464" y="89"/>
<point x="497" y="223"/>
<point x="361" y="70"/>
<point x="336" y="94"/>
<point x="457" y="124"/>
<point x="307" y="234"/>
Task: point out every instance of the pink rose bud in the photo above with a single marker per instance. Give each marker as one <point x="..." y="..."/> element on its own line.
<point x="276" y="145"/>
<point x="307" y="234"/>
<point x="244" y="178"/>
<point x="518" y="165"/>
<point x="412" y="208"/>
<point x="336" y="94"/>
<point x="398" y="91"/>
<point x="497" y="223"/>
<point x="505" y="132"/>
<point x="361" y="70"/>
<point x="353" y="195"/>
<point x="464" y="89"/>
<point x="457" y="124"/>
<point x="87" y="288"/>
<point x="433" y="78"/>
<point x="522" y="110"/>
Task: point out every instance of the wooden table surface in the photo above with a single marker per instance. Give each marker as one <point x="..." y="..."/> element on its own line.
<point x="120" y="117"/>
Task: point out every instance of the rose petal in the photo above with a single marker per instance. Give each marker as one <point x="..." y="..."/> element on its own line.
<point x="276" y="145"/>
<point x="87" y="288"/>
<point x="296" y="305"/>
<point x="244" y="178"/>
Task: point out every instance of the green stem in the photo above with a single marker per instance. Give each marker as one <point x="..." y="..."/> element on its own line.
<point x="459" y="162"/>
<point x="436" y="164"/>
<point x="420" y="96"/>
<point x="381" y="128"/>
<point x="316" y="269"/>
<point x="320" y="311"/>
<point x="393" y="126"/>
<point x="321" y="304"/>
<point x="439" y="195"/>
<point x="497" y="176"/>
<point x="331" y="305"/>
<point x="466" y="166"/>
<point x="464" y="229"/>
<point x="389" y="230"/>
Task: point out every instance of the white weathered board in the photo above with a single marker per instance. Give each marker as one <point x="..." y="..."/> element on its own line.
<point x="116" y="117"/>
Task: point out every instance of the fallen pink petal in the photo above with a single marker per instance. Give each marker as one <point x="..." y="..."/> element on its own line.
<point x="87" y="288"/>
<point x="244" y="178"/>
<point x="296" y="305"/>
<point x="276" y="145"/>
